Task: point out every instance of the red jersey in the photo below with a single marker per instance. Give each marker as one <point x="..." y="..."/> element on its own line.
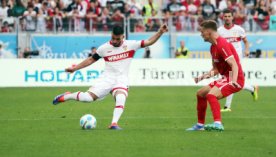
<point x="220" y="53"/>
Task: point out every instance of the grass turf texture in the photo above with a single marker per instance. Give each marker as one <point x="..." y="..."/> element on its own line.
<point x="154" y="124"/>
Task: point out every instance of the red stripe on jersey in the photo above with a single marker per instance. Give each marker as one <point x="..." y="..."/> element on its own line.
<point x="78" y="96"/>
<point x="233" y="39"/>
<point x="119" y="88"/>
<point x="122" y="107"/>
<point x="142" y="43"/>
<point x="120" y="56"/>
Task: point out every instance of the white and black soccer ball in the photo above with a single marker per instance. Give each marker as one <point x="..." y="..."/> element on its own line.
<point x="88" y="121"/>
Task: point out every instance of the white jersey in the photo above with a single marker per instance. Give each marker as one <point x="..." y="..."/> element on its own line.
<point x="233" y="35"/>
<point x="118" y="59"/>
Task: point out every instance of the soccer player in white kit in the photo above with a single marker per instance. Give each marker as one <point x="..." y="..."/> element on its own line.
<point x="118" y="54"/>
<point x="235" y="34"/>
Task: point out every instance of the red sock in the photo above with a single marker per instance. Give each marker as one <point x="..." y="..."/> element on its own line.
<point x="215" y="106"/>
<point x="201" y="109"/>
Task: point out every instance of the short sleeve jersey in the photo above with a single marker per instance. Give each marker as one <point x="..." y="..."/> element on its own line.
<point x="118" y="59"/>
<point x="221" y="52"/>
<point x="233" y="35"/>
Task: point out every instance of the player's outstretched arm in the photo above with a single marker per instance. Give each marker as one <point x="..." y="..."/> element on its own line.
<point x="163" y="28"/>
<point x="213" y="72"/>
<point x="88" y="61"/>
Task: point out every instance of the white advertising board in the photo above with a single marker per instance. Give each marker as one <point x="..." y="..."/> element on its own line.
<point x="143" y="72"/>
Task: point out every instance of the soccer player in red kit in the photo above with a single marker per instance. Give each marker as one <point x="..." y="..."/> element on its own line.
<point x="225" y="62"/>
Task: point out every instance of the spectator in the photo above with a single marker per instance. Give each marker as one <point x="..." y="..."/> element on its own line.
<point x="30" y="19"/>
<point x="58" y="19"/>
<point x="41" y="23"/>
<point x="139" y="26"/>
<point x="18" y="9"/>
<point x="92" y="15"/>
<point x="135" y="7"/>
<point x="240" y="14"/>
<point x="273" y="7"/>
<point x="118" y="4"/>
<point x="105" y="20"/>
<point x="118" y="17"/>
<point x="222" y="5"/>
<point x="181" y="19"/>
<point x="150" y="9"/>
<point x="261" y="15"/>
<point x="182" y="51"/>
<point x="147" y="53"/>
<point x="76" y="12"/>
<point x="3" y="10"/>
<point x="5" y="27"/>
<point x="174" y="7"/>
<point x="208" y="10"/>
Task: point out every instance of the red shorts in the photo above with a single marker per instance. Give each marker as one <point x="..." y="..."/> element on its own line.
<point x="226" y="88"/>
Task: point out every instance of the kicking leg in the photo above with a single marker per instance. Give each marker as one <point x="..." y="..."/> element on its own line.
<point x="79" y="96"/>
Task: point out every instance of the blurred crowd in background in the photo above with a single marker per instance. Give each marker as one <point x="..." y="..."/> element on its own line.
<point x="137" y="15"/>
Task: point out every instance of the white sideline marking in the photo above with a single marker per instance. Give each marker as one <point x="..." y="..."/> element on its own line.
<point x="42" y="119"/>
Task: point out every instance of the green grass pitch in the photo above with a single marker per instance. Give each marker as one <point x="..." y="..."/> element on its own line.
<point x="154" y="124"/>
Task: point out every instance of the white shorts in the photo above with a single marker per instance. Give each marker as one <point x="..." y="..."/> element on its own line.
<point x="104" y="86"/>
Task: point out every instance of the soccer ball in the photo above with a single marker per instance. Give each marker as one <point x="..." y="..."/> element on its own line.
<point x="88" y="121"/>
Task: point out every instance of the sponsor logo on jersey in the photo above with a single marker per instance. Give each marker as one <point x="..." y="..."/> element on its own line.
<point x="121" y="56"/>
<point x="233" y="39"/>
<point x="125" y="47"/>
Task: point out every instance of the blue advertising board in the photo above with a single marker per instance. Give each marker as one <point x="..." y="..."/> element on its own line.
<point x="8" y="46"/>
<point x="66" y="46"/>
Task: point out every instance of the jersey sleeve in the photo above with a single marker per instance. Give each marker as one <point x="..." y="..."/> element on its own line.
<point x="136" y="44"/>
<point x="100" y="51"/>
<point x="225" y="50"/>
<point x="242" y="33"/>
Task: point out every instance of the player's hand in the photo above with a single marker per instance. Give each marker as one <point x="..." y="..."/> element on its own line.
<point x="163" y="28"/>
<point x="246" y="53"/>
<point x="70" y="69"/>
<point x="198" y="79"/>
<point x="235" y="84"/>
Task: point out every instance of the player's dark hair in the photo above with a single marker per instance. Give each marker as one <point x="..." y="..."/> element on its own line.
<point x="226" y="11"/>
<point x="117" y="30"/>
<point x="209" y="24"/>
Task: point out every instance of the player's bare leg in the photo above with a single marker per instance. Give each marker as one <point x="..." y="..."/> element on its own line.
<point x="78" y="96"/>
<point x="201" y="108"/>
<point x="212" y="97"/>
<point x="120" y="99"/>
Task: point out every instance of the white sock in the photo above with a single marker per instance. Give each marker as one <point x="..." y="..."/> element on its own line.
<point x="248" y="87"/>
<point x="229" y="100"/>
<point x="218" y="122"/>
<point x="119" y="108"/>
<point x="200" y="124"/>
<point x="79" y="96"/>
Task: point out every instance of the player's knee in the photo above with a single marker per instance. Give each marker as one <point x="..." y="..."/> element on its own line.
<point x="115" y="93"/>
<point x="85" y="97"/>
<point x="120" y="99"/>
<point x="200" y="93"/>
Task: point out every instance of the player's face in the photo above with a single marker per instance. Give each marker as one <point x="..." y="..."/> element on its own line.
<point x="227" y="18"/>
<point x="205" y="33"/>
<point x="116" y="40"/>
